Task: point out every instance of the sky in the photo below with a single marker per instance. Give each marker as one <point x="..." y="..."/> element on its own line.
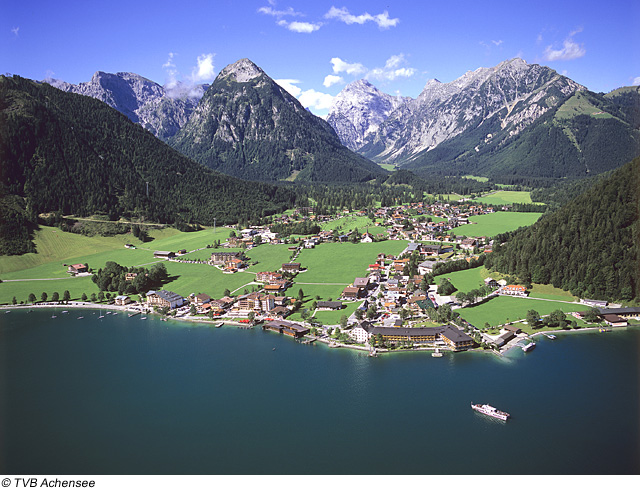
<point x="314" y="49"/>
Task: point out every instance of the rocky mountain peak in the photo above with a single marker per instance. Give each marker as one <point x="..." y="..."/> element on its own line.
<point x="241" y="71"/>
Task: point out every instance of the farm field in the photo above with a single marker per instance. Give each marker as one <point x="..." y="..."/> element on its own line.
<point x="506" y="197"/>
<point x="202" y="278"/>
<point x="347" y="223"/>
<point x="504" y="309"/>
<point x="492" y="224"/>
<point x="467" y="280"/>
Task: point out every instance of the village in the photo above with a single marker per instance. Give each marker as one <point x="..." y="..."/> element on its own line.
<point x="399" y="305"/>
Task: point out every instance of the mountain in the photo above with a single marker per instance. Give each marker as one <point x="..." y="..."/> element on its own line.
<point x="588" y="246"/>
<point x="358" y="110"/>
<point x="513" y="121"/>
<point x="73" y="154"/>
<point x="161" y="110"/>
<point x="247" y="126"/>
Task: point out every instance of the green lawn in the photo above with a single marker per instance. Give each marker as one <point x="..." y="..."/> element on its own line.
<point x="506" y="197"/>
<point x="502" y="309"/>
<point x="475" y="177"/>
<point x="492" y="224"/>
<point x="22" y="289"/>
<point x="466" y="280"/>
<point x="347" y="223"/>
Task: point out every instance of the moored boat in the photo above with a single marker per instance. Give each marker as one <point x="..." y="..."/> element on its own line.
<point x="528" y="347"/>
<point x="490" y="411"/>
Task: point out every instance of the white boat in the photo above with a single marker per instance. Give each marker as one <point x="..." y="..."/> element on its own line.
<point x="528" y="347"/>
<point x="80" y="317"/>
<point x="143" y="318"/>
<point x="65" y="311"/>
<point x="550" y="336"/>
<point x="490" y="411"/>
<point x="437" y="353"/>
<point x="53" y="316"/>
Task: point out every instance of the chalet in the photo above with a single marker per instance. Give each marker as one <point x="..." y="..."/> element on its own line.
<point x="513" y="328"/>
<point x="77" y="269"/>
<point x="268" y="276"/>
<point x="351" y="292"/>
<point x="275" y="288"/>
<point x="224" y="258"/>
<point x="490" y="282"/>
<point x="329" y="305"/>
<point x="504" y="338"/>
<point x="468" y="243"/>
<point x="361" y="282"/>
<point x="256" y="302"/>
<point x="163" y="255"/>
<point x="182" y="251"/>
<point x="201" y="299"/>
<point x="291" y="267"/>
<point x="279" y="312"/>
<point x="122" y="300"/>
<point x="164" y="298"/>
<point x="130" y="276"/>
<point x="513" y="290"/>
<point x="632" y="312"/>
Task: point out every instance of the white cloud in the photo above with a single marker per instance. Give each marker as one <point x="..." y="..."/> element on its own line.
<point x="340" y="66"/>
<point x="330" y="80"/>
<point x="303" y="27"/>
<point x="279" y="13"/>
<point x="571" y="50"/>
<point x="392" y="69"/>
<point x="204" y="71"/>
<point x="15" y="30"/>
<point x="289" y="85"/>
<point x="316" y="100"/>
<point x="343" y="14"/>
<point x="497" y="43"/>
<point x="636" y="81"/>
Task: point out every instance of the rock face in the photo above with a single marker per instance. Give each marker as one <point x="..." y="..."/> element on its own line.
<point x="358" y="110"/>
<point x="515" y="91"/>
<point x="247" y="126"/>
<point x="161" y="110"/>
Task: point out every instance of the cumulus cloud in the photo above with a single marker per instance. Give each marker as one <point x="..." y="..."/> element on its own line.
<point x="308" y="98"/>
<point x="289" y="85"/>
<point x="497" y="43"/>
<point x="316" y="100"/>
<point x="330" y="80"/>
<point x="190" y="85"/>
<point x="303" y="27"/>
<point x="636" y="81"/>
<point x="392" y="69"/>
<point x="279" y="13"/>
<point x="204" y="70"/>
<point x="343" y="15"/>
<point x="340" y="66"/>
<point x="570" y="50"/>
<point x="15" y="30"/>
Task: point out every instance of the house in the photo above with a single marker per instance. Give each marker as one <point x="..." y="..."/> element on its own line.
<point x="130" y="276"/>
<point x="359" y="333"/>
<point x="351" y="292"/>
<point x="504" y="338"/>
<point x="268" y="276"/>
<point x="594" y="303"/>
<point x="122" y="300"/>
<point x="164" y="298"/>
<point x="513" y="290"/>
<point x="279" y="312"/>
<point x="329" y="305"/>
<point x="163" y="255"/>
<point x="77" y="269"/>
<point x="614" y="320"/>
<point x="291" y="267"/>
<point x="201" y="299"/>
<point x="468" y="244"/>
<point x="513" y="328"/>
<point x="288" y="328"/>
<point x="490" y="282"/>
<point x="456" y="339"/>
<point x="361" y="282"/>
<point x="224" y="258"/>
<point x="367" y="238"/>
<point x="182" y="251"/>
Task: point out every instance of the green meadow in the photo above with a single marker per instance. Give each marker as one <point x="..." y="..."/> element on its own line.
<point x="495" y="223"/>
<point x="506" y="197"/>
<point x="503" y="309"/>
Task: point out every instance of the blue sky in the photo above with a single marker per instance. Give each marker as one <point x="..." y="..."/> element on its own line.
<point x="315" y="48"/>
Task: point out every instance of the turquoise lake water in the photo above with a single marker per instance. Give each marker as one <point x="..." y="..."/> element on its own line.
<point x="123" y="395"/>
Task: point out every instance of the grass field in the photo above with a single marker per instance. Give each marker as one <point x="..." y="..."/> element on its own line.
<point x="22" y="289"/>
<point x="466" y="280"/>
<point x="495" y="223"/>
<point x="506" y="197"/>
<point x="475" y="177"/>
<point x="502" y="309"/>
<point x="347" y="223"/>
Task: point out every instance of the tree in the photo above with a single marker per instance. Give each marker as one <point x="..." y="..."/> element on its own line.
<point x="32" y="298"/>
<point x="532" y="317"/>
<point x="359" y="314"/>
<point x="193" y="310"/>
<point x="93" y="297"/>
<point x="300" y="294"/>
<point x="66" y="296"/>
<point x="84" y="297"/>
<point x="227" y="292"/>
<point x="371" y="312"/>
<point x="14" y="301"/>
<point x="343" y="321"/>
<point x="55" y="296"/>
<point x="314" y="305"/>
<point x="100" y="296"/>
<point x="43" y="296"/>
